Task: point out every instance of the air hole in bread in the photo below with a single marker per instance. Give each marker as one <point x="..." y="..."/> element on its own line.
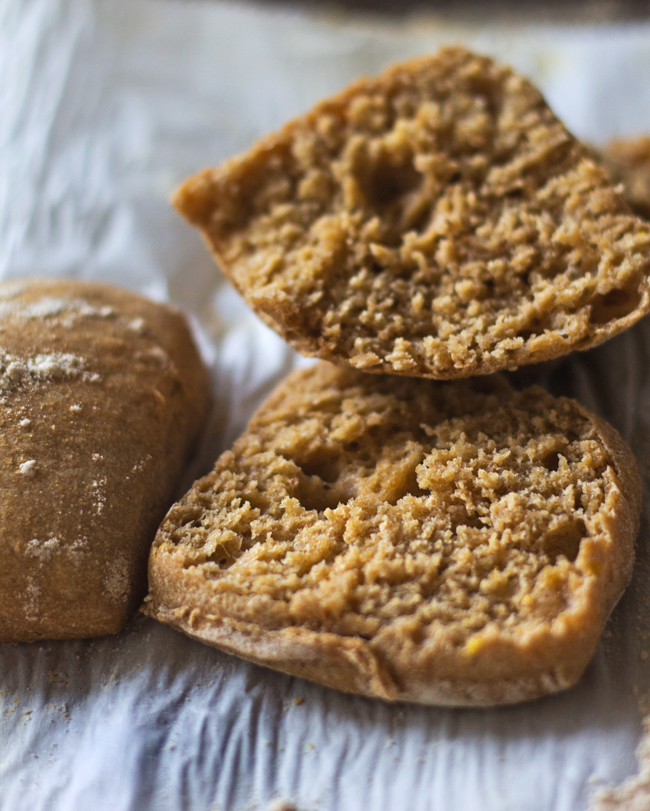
<point x="473" y="521"/>
<point x="258" y="501"/>
<point x="406" y="486"/>
<point x="616" y="303"/>
<point x="388" y="179"/>
<point x="320" y="496"/>
<point x="535" y="328"/>
<point x="323" y="466"/>
<point x="551" y="461"/>
<point x="565" y="540"/>
<point x="225" y="552"/>
<point x="186" y="516"/>
<point x="490" y="96"/>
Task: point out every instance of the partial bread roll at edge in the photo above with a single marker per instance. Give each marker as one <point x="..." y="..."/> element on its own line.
<point x="628" y="161"/>
<point x="102" y="397"/>
<point x="436" y="221"/>
<point x="444" y="543"/>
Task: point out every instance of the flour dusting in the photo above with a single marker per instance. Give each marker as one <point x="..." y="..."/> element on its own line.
<point x="117" y="577"/>
<point x="43" y="549"/>
<point x="99" y="494"/>
<point x="49" y="307"/>
<point x="46" y="550"/>
<point x="136" y="325"/>
<point x="12" y="289"/>
<point x="16" y="371"/>
<point x="33" y="599"/>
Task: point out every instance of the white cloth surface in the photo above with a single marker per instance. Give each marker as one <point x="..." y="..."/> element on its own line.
<point x="105" y="105"/>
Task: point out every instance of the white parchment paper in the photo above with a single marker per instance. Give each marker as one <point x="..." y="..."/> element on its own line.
<point x="105" y="105"/>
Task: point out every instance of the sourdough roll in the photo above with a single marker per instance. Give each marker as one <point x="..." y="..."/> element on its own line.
<point x="102" y="397"/>
<point x="445" y="543"/>
<point x="436" y="221"/>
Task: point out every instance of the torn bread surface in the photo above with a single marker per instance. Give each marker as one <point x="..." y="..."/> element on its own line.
<point x="453" y="543"/>
<point x="436" y="221"/>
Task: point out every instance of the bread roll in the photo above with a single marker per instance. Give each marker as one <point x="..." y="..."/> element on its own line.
<point x="102" y="397"/>
<point x="445" y="543"/>
<point x="436" y="221"/>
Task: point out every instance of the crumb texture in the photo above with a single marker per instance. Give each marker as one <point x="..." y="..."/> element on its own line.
<point x="437" y="522"/>
<point x="436" y="221"/>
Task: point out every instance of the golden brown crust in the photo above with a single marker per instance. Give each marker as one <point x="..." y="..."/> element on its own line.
<point x="102" y="396"/>
<point x="445" y="543"/>
<point x="436" y="221"/>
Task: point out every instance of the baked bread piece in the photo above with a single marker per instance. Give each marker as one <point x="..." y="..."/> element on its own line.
<point x="446" y="543"/>
<point x="102" y="396"/>
<point x="437" y="221"/>
<point x="628" y="162"/>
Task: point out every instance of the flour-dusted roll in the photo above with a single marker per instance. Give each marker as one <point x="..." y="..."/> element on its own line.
<point x="446" y="543"/>
<point x="436" y="221"/>
<point x="102" y="396"/>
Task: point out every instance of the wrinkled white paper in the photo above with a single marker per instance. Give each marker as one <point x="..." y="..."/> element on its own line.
<point x="105" y="105"/>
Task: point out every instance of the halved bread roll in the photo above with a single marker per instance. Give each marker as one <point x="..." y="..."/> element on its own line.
<point x="437" y="221"/>
<point x="102" y="397"/>
<point x="446" y="543"/>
